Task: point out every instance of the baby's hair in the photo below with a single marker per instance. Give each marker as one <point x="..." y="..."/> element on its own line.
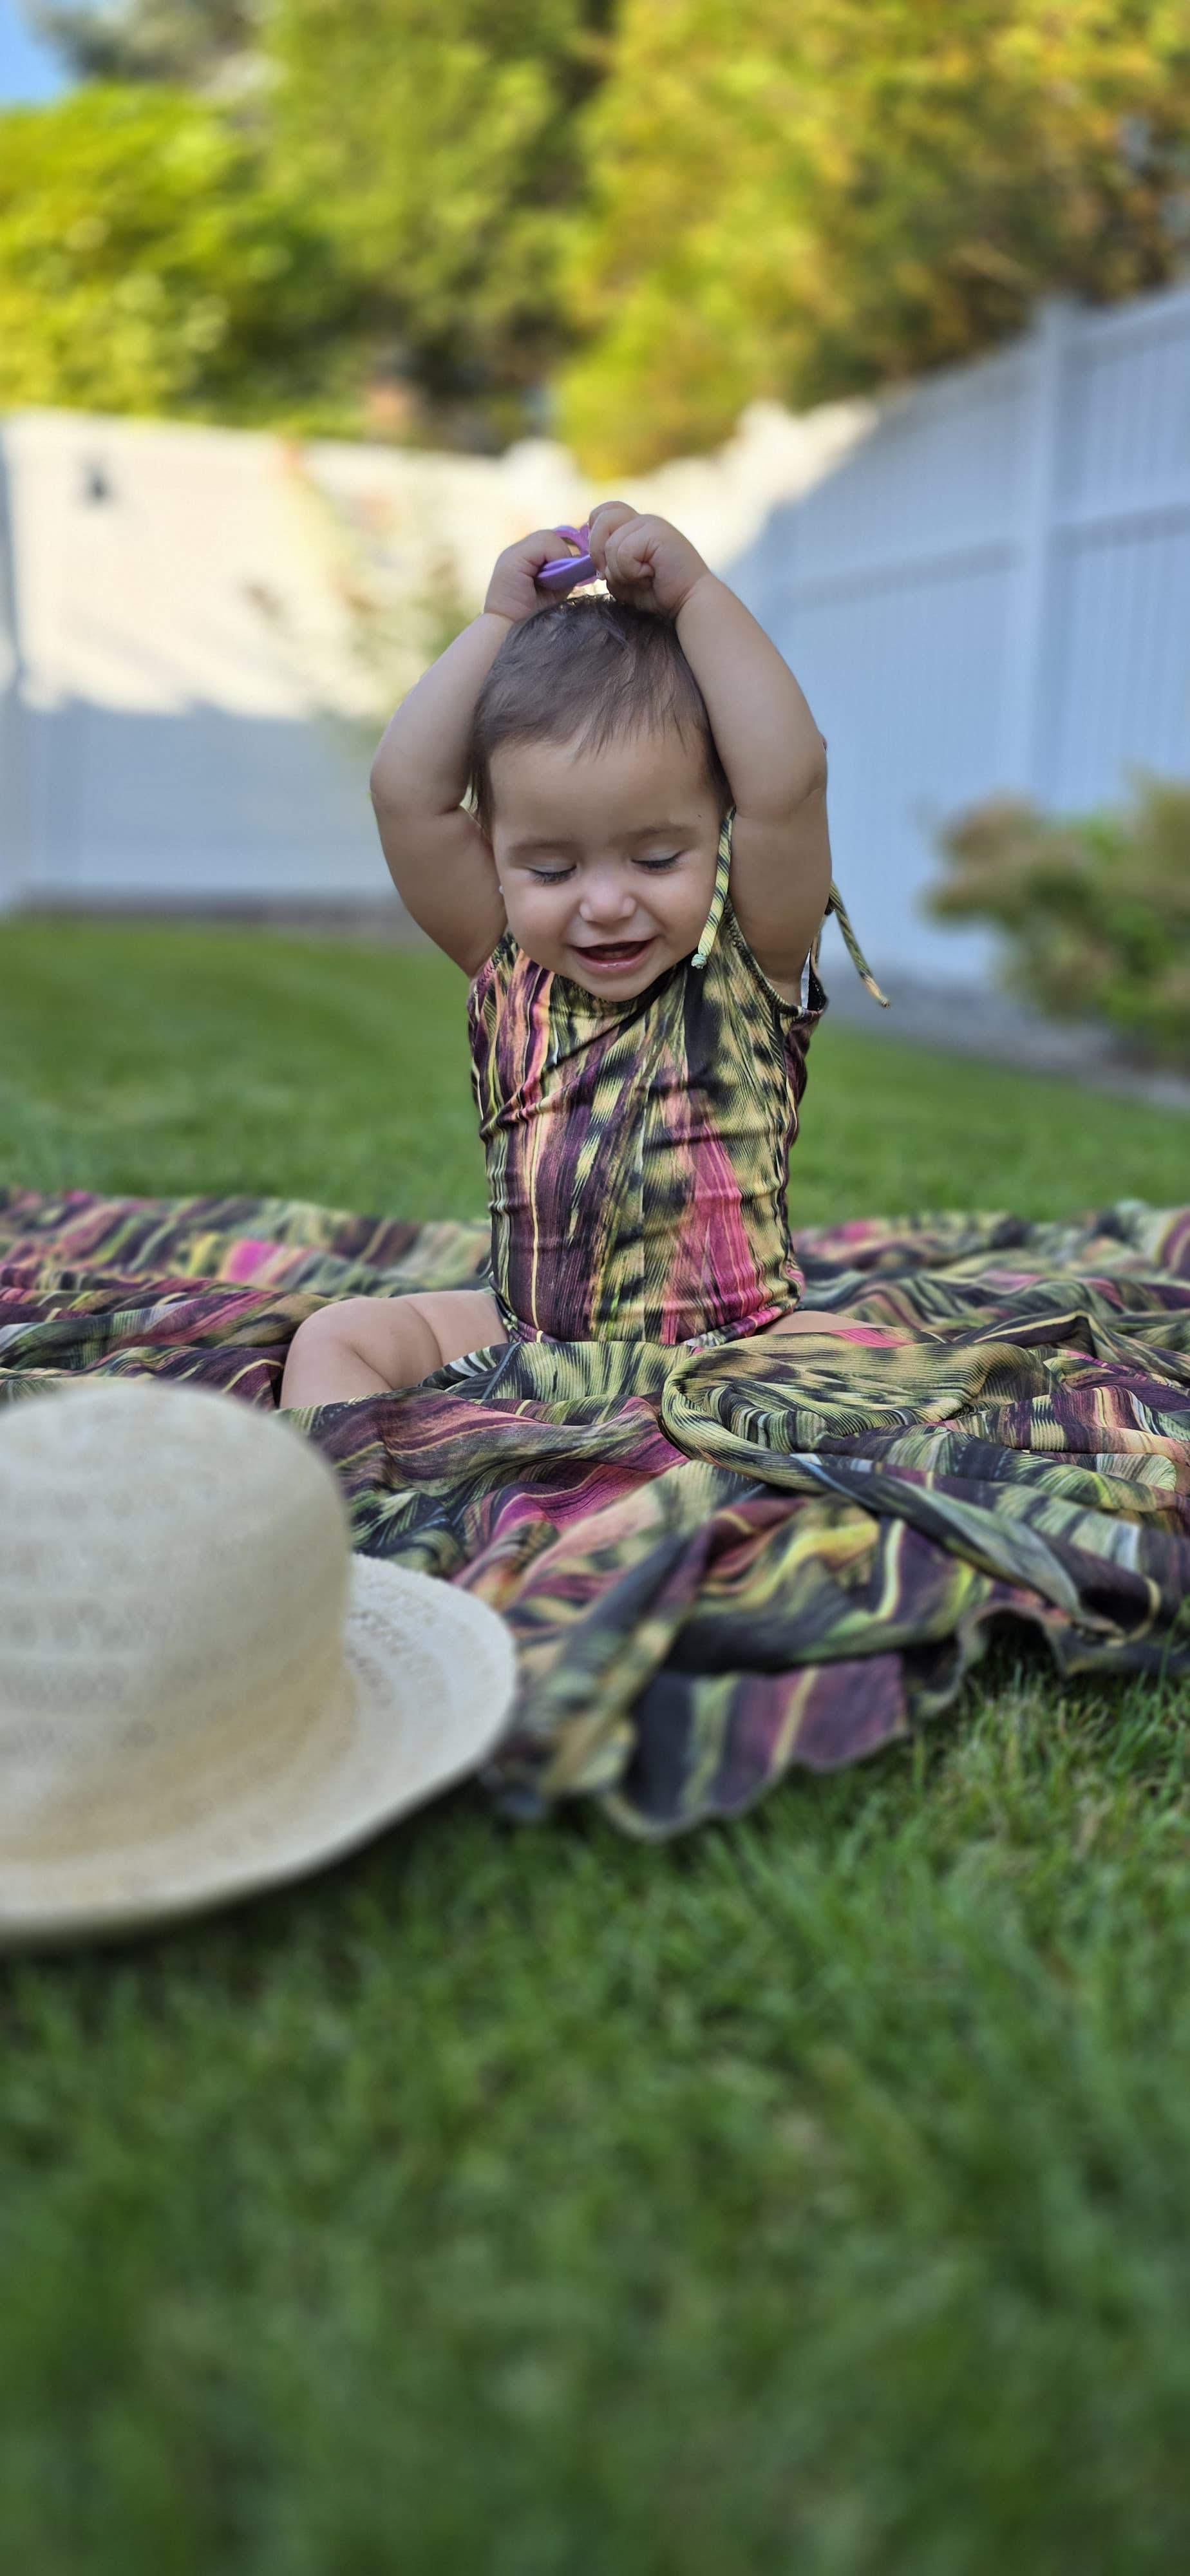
<point x="586" y="670"/>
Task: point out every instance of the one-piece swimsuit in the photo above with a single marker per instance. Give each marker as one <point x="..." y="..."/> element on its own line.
<point x="638" y="1151"/>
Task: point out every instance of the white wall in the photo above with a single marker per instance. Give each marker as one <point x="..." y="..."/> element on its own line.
<point x="160" y="748"/>
<point x="983" y="582"/>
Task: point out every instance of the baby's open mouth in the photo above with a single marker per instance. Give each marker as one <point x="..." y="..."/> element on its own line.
<point x="610" y="953"/>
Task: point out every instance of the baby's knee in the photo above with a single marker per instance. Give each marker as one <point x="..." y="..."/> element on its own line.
<point x="334" y="1337"/>
<point x="387" y="1335"/>
<point x="338" y="1323"/>
<point x="351" y="1347"/>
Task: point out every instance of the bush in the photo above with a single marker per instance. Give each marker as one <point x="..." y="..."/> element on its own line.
<point x="1094" y="910"/>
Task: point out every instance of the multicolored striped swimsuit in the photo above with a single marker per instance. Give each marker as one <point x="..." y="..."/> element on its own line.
<point x="638" y="1151"/>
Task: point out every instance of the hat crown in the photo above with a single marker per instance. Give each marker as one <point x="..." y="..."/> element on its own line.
<point x="173" y="1584"/>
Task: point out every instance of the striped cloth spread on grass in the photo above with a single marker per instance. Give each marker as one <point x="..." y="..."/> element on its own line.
<point x="753" y="1556"/>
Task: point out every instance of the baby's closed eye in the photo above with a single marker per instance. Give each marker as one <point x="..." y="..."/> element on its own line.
<point x="558" y="876"/>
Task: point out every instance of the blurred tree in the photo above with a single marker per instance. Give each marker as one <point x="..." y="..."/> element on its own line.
<point x="432" y="144"/>
<point x="804" y="201"/>
<point x="149" y="40"/>
<point x="438" y="140"/>
<point x="418" y="215"/>
<point x="150" y="263"/>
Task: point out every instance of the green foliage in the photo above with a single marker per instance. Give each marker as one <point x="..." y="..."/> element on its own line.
<point x="1094" y="911"/>
<point x="369" y="200"/>
<point x="664" y="207"/>
<point x="810" y="2195"/>
<point x="805" y="202"/>
<point x="438" y="143"/>
<point x="152" y="40"/>
<point x="151" y="262"/>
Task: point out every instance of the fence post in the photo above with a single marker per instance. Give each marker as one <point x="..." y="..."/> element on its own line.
<point x="13" y="808"/>
<point x="1030" y="694"/>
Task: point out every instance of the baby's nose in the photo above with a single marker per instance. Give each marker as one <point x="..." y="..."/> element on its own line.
<point x="607" y="898"/>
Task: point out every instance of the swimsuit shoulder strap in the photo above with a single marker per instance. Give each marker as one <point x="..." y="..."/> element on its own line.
<point x="719" y="897"/>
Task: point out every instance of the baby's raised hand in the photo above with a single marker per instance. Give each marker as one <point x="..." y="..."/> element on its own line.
<point x="643" y="560"/>
<point x="512" y="590"/>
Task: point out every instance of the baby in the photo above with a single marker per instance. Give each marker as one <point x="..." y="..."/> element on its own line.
<point x="633" y="888"/>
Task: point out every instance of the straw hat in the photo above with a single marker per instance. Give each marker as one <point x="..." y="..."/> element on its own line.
<point x="202" y="1693"/>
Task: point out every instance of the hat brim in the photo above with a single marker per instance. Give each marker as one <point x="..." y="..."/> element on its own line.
<point x="432" y="1672"/>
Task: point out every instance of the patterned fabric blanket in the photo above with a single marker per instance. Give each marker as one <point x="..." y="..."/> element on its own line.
<point x="723" y="1563"/>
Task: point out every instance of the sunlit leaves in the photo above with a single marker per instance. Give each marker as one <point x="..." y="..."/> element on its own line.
<point x="150" y="261"/>
<point x="636" y="214"/>
<point x="805" y="201"/>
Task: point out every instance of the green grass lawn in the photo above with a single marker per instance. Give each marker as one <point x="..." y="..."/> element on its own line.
<point x="812" y="2195"/>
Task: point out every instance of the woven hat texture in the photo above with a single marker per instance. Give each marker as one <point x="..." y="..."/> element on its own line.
<point x="200" y="1692"/>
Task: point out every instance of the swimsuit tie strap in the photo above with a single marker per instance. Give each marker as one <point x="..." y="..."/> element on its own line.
<point x="850" y="942"/>
<point x="835" y="904"/>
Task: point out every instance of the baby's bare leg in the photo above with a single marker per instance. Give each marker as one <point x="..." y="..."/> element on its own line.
<point x="800" y="1319"/>
<point x="374" y="1345"/>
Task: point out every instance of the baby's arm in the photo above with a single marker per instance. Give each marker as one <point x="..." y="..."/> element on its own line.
<point x="439" y="860"/>
<point x="767" y="739"/>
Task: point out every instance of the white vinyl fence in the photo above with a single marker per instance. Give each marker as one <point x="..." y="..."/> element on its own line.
<point x="983" y="582"/>
<point x="993" y="591"/>
<point x="189" y="697"/>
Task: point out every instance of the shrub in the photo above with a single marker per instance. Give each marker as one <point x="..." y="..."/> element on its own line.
<point x="1094" y="909"/>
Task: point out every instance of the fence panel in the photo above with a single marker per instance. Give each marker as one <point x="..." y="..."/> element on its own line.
<point x="993" y="592"/>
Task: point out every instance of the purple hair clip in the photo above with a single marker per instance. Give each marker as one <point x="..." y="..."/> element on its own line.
<point x="565" y="572"/>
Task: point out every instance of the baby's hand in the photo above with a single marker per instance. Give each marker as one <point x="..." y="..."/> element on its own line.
<point x="512" y="590"/>
<point x="643" y="560"/>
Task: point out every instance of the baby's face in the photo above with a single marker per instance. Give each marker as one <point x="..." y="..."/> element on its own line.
<point x="606" y="858"/>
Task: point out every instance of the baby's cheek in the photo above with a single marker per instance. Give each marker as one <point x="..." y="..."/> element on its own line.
<point x="686" y="912"/>
<point x="537" y="925"/>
